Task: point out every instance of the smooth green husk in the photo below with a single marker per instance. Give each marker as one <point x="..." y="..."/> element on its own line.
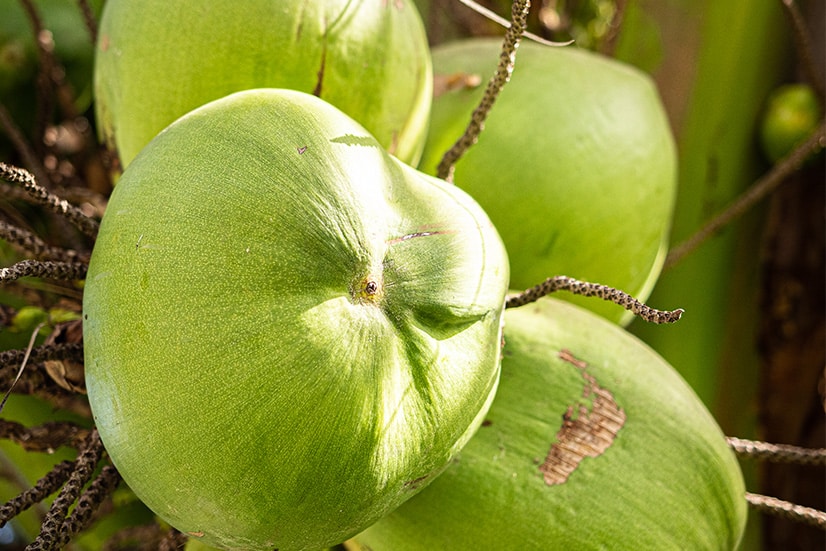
<point x="247" y="380"/>
<point x="157" y="60"/>
<point x="667" y="481"/>
<point x="576" y="165"/>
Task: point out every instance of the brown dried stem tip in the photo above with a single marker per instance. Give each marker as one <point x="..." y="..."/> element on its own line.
<point x="587" y="289"/>
<point x="779" y="508"/>
<point x="507" y="58"/>
<point x="75" y="216"/>
<point x="777" y="453"/>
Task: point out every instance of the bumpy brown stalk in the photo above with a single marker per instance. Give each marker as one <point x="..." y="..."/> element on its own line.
<point x="52" y="529"/>
<point x="507" y="58"/>
<point x="65" y="271"/>
<point x="42" y="197"/>
<point x="777" y="453"/>
<point x="44" y="438"/>
<point x="44" y="487"/>
<point x="32" y="244"/>
<point x="780" y="508"/>
<point x="584" y="288"/>
<point x="88" y="503"/>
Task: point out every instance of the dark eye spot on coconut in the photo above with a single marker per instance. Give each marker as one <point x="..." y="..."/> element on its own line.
<point x="371" y="287"/>
<point x="487" y="423"/>
<point x="585" y="432"/>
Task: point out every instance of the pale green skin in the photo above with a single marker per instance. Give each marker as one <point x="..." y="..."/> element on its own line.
<point x="158" y="59"/>
<point x="668" y="480"/>
<point x="244" y="382"/>
<point x="576" y="165"/>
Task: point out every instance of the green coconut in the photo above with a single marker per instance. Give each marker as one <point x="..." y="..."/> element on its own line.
<point x="158" y="59"/>
<point x="576" y="165"/>
<point x="593" y="442"/>
<point x="287" y="331"/>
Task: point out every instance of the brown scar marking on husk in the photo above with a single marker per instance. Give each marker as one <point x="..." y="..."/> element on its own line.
<point x="443" y="83"/>
<point x="589" y="434"/>
<point x="301" y="149"/>
<point x="418" y="234"/>
<point x="413" y="484"/>
<point x="198" y="534"/>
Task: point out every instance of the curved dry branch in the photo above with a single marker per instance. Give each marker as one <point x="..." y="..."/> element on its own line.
<point x="587" y="289"/>
<point x="761" y="188"/>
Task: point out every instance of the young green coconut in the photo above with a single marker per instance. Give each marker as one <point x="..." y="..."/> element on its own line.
<point x="287" y="331"/>
<point x="592" y="442"/>
<point x="576" y="165"/>
<point x="159" y="59"/>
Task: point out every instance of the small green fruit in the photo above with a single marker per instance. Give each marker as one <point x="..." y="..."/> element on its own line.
<point x="792" y="114"/>
<point x="592" y="442"/>
<point x="576" y="165"/>
<point x="158" y="59"/>
<point x="287" y="331"/>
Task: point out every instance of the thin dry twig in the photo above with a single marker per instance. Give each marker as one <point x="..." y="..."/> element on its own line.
<point x="507" y="59"/>
<point x="42" y="197"/>
<point x="9" y="359"/>
<point x="21" y="144"/>
<point x="780" y="508"/>
<point x="173" y="541"/>
<point x="804" y="49"/>
<point x="587" y="289"/>
<point x="89" y="19"/>
<point x="499" y="20"/>
<point x="45" y="51"/>
<point x="26" y="355"/>
<point x="609" y="41"/>
<point x="760" y="189"/>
